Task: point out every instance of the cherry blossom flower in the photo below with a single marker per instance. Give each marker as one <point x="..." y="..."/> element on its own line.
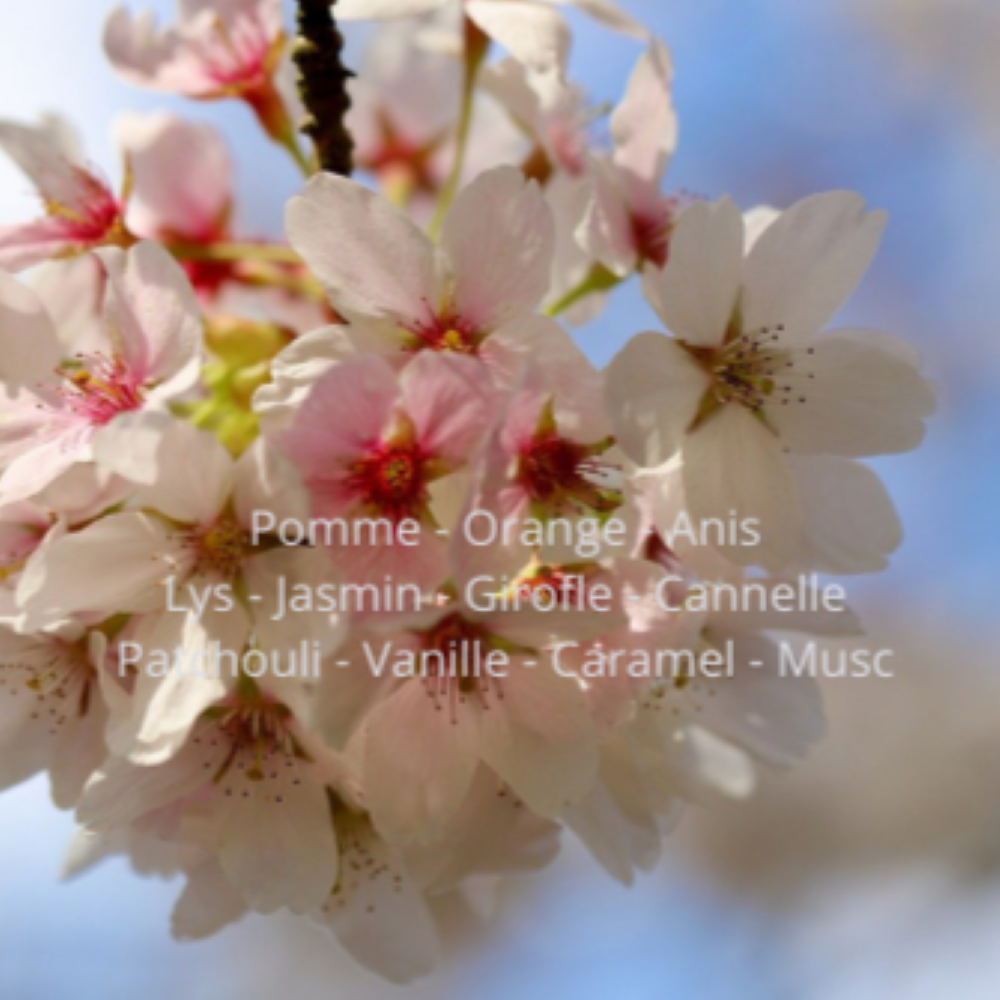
<point x="81" y="211"/>
<point x="558" y="119"/>
<point x="705" y="734"/>
<point x="191" y="528"/>
<point x="685" y="737"/>
<point x="258" y="785"/>
<point x="216" y="50"/>
<point x="554" y="114"/>
<point x="476" y="294"/>
<point x="530" y="30"/>
<point x="401" y="114"/>
<point x="630" y="219"/>
<point x="402" y="117"/>
<point x="550" y="457"/>
<point x="745" y="379"/>
<point x="183" y="186"/>
<point x="150" y="356"/>
<point x="503" y="562"/>
<point x="371" y="445"/>
<point x="52" y="711"/>
<point x="527" y="723"/>
<point x="531" y="727"/>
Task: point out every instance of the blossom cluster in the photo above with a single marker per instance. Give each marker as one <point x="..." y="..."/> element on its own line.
<point x="170" y="385"/>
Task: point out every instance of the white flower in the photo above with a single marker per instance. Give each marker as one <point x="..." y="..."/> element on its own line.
<point x="558" y="119"/>
<point x="52" y="713"/>
<point x="191" y="528"/>
<point x="849" y="524"/>
<point x="629" y="222"/>
<point x="744" y="380"/>
<point x="529" y="29"/>
<point x="475" y="294"/>
<point x="254" y="788"/>
<point x="149" y="356"/>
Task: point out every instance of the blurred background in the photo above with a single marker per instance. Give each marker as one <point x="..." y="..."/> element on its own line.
<point x="874" y="869"/>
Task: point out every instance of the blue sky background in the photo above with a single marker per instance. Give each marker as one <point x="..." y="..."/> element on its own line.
<point x="778" y="99"/>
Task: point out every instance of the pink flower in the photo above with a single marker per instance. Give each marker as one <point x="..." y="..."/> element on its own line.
<point x="546" y="459"/>
<point x="370" y="444"/>
<point x="526" y="722"/>
<point x="183" y="187"/>
<point x="81" y="210"/>
<point x="550" y="470"/>
<point x="182" y="177"/>
<point x="257" y="785"/>
<point x="630" y="220"/>
<point x="403" y="114"/>
<point x="150" y="355"/>
<point x="475" y="294"/>
<point x="188" y="527"/>
<point x="52" y="714"/>
<point x="218" y="49"/>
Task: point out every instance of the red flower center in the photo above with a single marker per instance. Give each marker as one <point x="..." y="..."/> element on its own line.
<point x="651" y="234"/>
<point x="392" y="481"/>
<point x="445" y="334"/>
<point x="98" y="388"/>
<point x="559" y="475"/>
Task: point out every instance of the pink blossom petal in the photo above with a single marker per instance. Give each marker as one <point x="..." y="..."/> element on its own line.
<point x="347" y="411"/>
<point x="182" y="177"/>
<point x="152" y="313"/>
<point x="449" y="399"/>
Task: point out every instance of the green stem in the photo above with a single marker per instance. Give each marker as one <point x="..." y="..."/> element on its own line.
<point x="598" y="279"/>
<point x="268" y="105"/>
<point x="477" y="47"/>
<point x="291" y="145"/>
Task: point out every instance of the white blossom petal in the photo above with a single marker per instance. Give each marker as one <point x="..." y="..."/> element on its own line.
<point x="419" y="762"/>
<point x="733" y="464"/>
<point x="808" y="263"/>
<point x="499" y="238"/>
<point x="535" y="36"/>
<point x="280" y="851"/>
<point x="697" y="292"/>
<point x="653" y="390"/>
<point x="539" y="738"/>
<point x="849" y="523"/>
<point x="29" y="346"/>
<point x="372" y="258"/>
<point x="858" y="398"/>
<point x="207" y="905"/>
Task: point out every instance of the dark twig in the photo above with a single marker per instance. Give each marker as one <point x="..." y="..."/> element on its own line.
<point x="323" y="85"/>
